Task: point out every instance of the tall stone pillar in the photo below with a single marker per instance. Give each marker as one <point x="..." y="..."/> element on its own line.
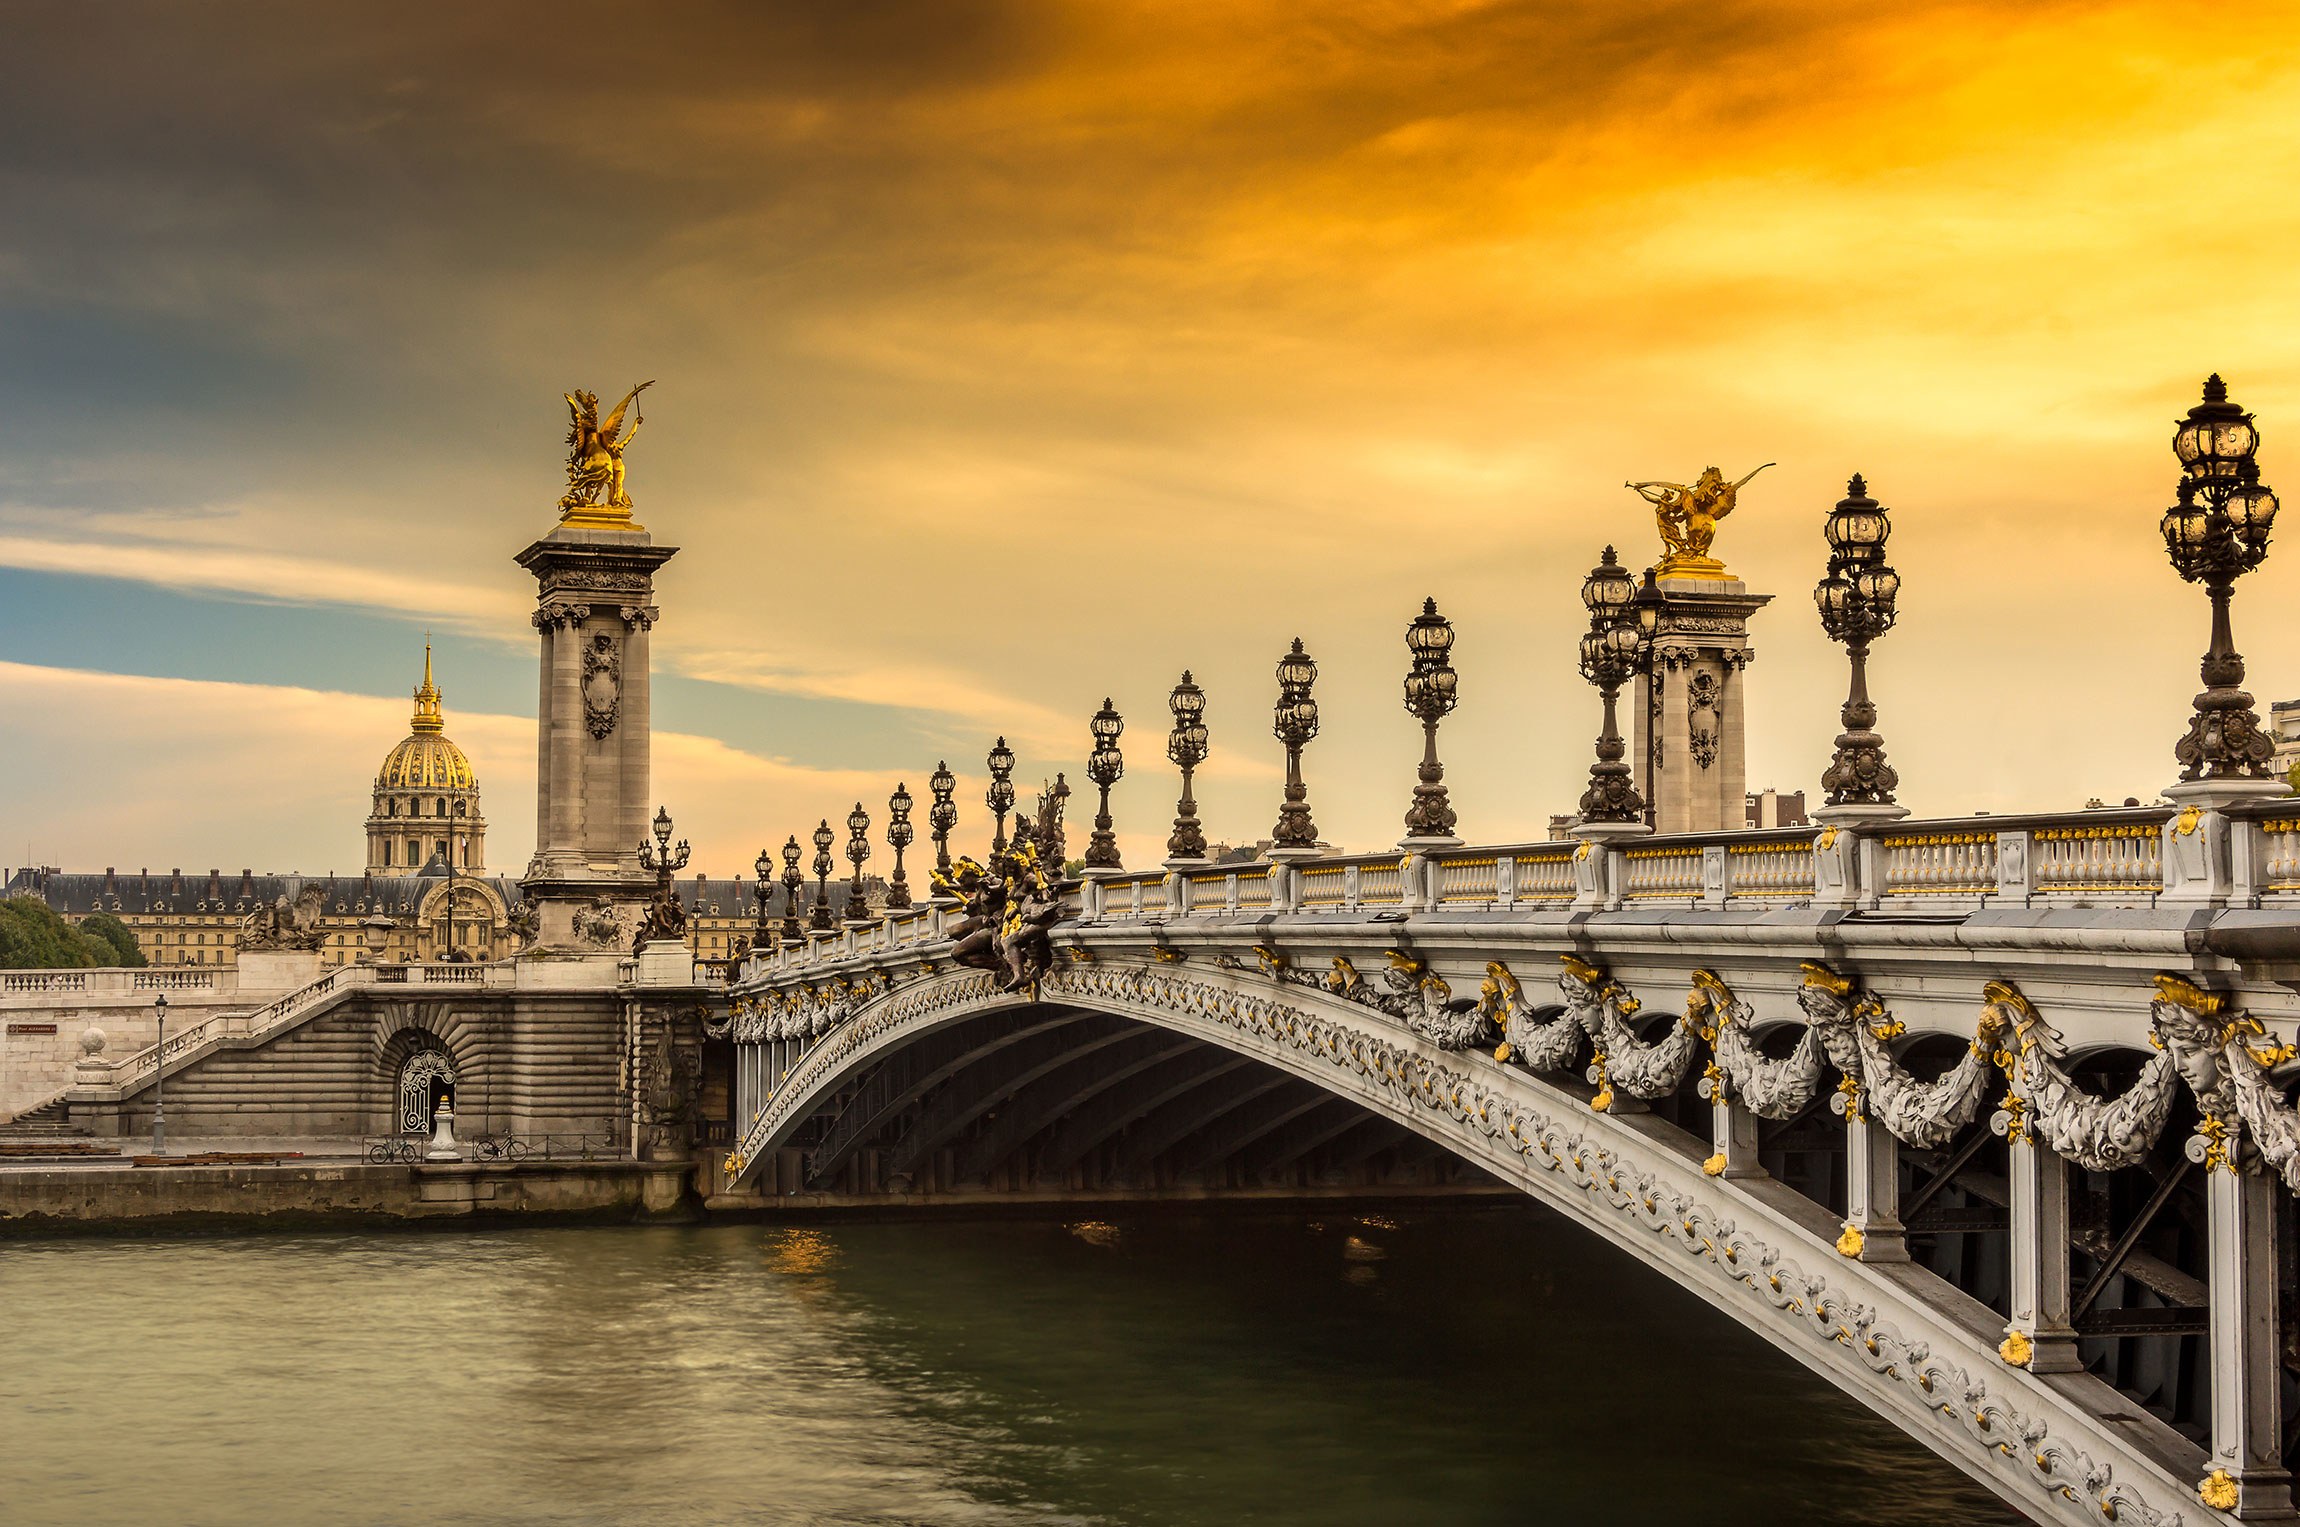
<point x="594" y="607"/>
<point x="1688" y="736"/>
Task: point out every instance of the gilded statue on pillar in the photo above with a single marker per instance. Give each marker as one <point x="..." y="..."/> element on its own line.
<point x="595" y="457"/>
<point x="1687" y="514"/>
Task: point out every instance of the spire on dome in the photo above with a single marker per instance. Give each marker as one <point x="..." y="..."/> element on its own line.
<point x="426" y="718"/>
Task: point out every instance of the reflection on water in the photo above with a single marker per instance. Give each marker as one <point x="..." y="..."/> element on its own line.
<point x="1470" y="1367"/>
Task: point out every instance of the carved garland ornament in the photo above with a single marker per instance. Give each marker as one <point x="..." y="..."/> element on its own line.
<point x="1607" y="1181"/>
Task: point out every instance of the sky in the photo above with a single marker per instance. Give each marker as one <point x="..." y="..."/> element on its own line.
<point x="1009" y="356"/>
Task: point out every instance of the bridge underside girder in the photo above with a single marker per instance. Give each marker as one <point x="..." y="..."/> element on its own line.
<point x="1056" y="1098"/>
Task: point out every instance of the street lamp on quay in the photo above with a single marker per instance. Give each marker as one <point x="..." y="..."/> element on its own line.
<point x="1104" y="766"/>
<point x="794" y="885"/>
<point x="1621" y="619"/>
<point x="160" y="1077"/>
<point x="1856" y="599"/>
<point x="1000" y="797"/>
<point x="1294" y="721"/>
<point x="2215" y="533"/>
<point x="858" y="849"/>
<point x="942" y="816"/>
<point x="1430" y="694"/>
<point x="1186" y="747"/>
<point x="824" y="838"/>
<point x="899" y="833"/>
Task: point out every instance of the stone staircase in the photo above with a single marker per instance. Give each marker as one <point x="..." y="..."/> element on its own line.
<point x="51" y="1120"/>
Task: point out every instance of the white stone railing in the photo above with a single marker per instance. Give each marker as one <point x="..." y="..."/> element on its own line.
<point x="1770" y="868"/>
<point x="1667" y="871"/>
<point x="110" y="981"/>
<point x="1956" y="861"/>
<point x="2113" y="857"/>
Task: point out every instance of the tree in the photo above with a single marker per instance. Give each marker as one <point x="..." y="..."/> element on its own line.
<point x="109" y="930"/>
<point x="33" y="937"/>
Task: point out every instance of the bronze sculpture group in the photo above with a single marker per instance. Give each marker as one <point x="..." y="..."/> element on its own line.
<point x="1012" y="905"/>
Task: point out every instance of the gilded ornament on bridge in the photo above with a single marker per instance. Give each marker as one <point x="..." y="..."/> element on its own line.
<point x="1687" y="516"/>
<point x="596" y="497"/>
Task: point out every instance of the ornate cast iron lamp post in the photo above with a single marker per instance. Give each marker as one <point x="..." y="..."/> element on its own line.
<point x="1053" y="842"/>
<point x="660" y="856"/>
<point x="858" y="849"/>
<point x="1856" y="599"/>
<point x="160" y="1077"/>
<point x="898" y="836"/>
<point x="665" y="920"/>
<point x="763" y="933"/>
<point x="820" y="920"/>
<point x="1105" y="766"/>
<point x="794" y="884"/>
<point x="1430" y="686"/>
<point x="1609" y="653"/>
<point x="1000" y="798"/>
<point x="1295" y="721"/>
<point x="942" y="816"/>
<point x="1186" y="746"/>
<point x="2215" y="534"/>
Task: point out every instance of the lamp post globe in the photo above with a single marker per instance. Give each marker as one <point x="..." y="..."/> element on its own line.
<point x="942" y="816"/>
<point x="1430" y="695"/>
<point x="794" y="885"/>
<point x="820" y="919"/>
<point x="1104" y="766"/>
<point x="1610" y="652"/>
<point x="1294" y="721"/>
<point x="899" y="834"/>
<point x="858" y="849"/>
<point x="1186" y="747"/>
<point x="1000" y="797"/>
<point x="2217" y="531"/>
<point x="1857" y="600"/>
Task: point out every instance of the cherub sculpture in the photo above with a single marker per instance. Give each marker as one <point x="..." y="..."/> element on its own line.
<point x="1688" y="514"/>
<point x="595" y="450"/>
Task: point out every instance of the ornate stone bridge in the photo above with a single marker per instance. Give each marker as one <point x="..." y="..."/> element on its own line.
<point x="1983" y="1120"/>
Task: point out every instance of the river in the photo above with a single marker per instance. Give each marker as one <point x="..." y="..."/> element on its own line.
<point x="1336" y="1368"/>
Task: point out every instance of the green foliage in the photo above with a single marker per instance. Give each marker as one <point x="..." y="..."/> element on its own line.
<point x="33" y="937"/>
<point x="110" y="930"/>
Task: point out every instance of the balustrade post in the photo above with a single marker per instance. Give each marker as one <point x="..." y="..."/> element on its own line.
<point x="2196" y="858"/>
<point x="2247" y="863"/>
<point x="2247" y="1430"/>
<point x="1505" y="881"/>
<point x="1714" y="888"/>
<point x="1733" y="1134"/>
<point x="2016" y="880"/>
<point x="1873" y="1194"/>
<point x="1413" y="893"/>
<point x="2039" y="1336"/>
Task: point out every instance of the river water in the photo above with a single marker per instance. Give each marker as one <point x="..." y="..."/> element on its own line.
<point x="1456" y="1366"/>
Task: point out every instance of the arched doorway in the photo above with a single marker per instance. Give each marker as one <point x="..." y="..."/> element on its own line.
<point x="426" y="1079"/>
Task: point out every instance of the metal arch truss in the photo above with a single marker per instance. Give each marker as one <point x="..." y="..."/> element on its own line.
<point x="2071" y="1449"/>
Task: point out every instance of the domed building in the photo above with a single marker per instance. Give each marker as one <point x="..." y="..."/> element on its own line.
<point x="426" y="798"/>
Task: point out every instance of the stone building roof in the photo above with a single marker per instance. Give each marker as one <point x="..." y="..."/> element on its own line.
<point x="143" y="893"/>
<point x="193" y="893"/>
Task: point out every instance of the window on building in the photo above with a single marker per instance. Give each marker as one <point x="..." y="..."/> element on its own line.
<point x="386" y="856"/>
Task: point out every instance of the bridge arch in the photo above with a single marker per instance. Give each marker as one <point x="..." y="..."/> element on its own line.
<point x="1910" y="1345"/>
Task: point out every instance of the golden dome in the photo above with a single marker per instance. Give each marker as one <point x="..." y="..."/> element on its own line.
<point x="426" y="760"/>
